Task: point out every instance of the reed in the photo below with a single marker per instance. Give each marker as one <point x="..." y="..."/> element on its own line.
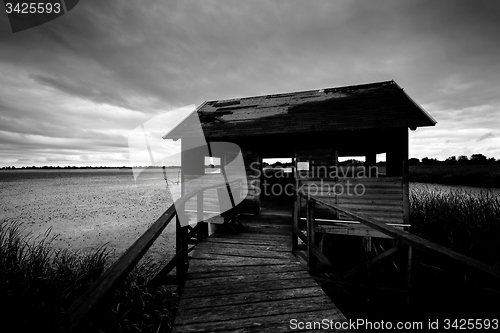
<point x="465" y="221"/>
<point x="38" y="282"/>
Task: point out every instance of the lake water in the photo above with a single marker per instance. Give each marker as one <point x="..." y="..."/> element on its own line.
<point x="89" y="208"/>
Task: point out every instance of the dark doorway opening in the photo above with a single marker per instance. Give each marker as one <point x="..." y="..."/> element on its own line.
<point x="277" y="181"/>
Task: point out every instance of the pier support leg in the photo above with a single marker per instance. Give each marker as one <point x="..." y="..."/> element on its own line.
<point x="181" y="243"/>
<point x="367" y="243"/>
<point x="311" y="235"/>
<point x="295" y="219"/>
<point x="408" y="278"/>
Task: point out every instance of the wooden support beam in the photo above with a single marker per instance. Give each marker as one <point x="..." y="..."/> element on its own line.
<point x="370" y="160"/>
<point x="161" y="275"/>
<point x="379" y="257"/>
<point x="320" y="256"/>
<point x="408" y="274"/>
<point x="299" y="234"/>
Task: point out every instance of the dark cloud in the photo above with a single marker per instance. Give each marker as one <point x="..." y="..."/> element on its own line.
<point x="107" y="66"/>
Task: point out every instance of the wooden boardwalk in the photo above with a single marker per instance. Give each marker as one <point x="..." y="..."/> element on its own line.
<point x="250" y="282"/>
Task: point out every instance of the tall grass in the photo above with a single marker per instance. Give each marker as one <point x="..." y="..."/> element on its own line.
<point x="38" y="282"/>
<point x="138" y="307"/>
<point x="466" y="222"/>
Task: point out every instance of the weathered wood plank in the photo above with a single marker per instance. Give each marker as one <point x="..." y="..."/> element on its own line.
<point x="385" y="219"/>
<point x="265" y="230"/>
<point x="264" y="324"/>
<point x="237" y="279"/>
<point x="374" y="208"/>
<point x="363" y="179"/>
<point x="269" y="224"/>
<point x="246" y="241"/>
<point x="351" y="231"/>
<point x="246" y="246"/>
<point x="251" y="310"/>
<point x="249" y="287"/>
<point x="244" y="234"/>
<point x="196" y="272"/>
<point x="257" y="257"/>
<point x="265" y="218"/>
<point x="252" y="297"/>
<point x="209" y="252"/>
<point x="388" y="197"/>
<point x="234" y="262"/>
<point x="256" y="237"/>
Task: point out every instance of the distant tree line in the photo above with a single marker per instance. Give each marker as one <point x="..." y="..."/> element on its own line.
<point x="83" y="167"/>
<point x="62" y="167"/>
<point x="476" y="159"/>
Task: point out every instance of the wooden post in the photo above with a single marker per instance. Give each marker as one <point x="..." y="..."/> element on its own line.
<point x="296" y="210"/>
<point x="184" y="260"/>
<point x="311" y="237"/>
<point x="296" y="219"/>
<point x="199" y="208"/>
<point x="181" y="244"/>
<point x="367" y="243"/>
<point x="408" y="277"/>
<point x="337" y="170"/>
<point x="179" y="270"/>
<point x="406" y="188"/>
<point x="370" y="162"/>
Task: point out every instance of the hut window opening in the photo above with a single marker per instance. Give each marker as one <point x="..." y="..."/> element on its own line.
<point x="212" y="165"/>
<point x="277" y="180"/>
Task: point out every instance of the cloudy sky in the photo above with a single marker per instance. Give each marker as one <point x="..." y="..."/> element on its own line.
<point x="71" y="90"/>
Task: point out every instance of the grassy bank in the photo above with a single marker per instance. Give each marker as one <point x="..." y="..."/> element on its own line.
<point x="37" y="283"/>
<point x="466" y="175"/>
<point x="468" y="223"/>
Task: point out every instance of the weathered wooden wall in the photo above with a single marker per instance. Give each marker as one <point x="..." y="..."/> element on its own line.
<point x="379" y="198"/>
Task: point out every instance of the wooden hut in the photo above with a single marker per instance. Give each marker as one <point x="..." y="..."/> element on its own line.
<point x="315" y="128"/>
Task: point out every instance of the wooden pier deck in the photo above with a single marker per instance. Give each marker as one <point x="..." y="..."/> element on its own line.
<point x="251" y="282"/>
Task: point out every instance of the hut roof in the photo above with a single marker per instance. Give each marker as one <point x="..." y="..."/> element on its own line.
<point x="381" y="105"/>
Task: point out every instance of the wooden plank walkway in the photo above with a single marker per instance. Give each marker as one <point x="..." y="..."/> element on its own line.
<point x="250" y="282"/>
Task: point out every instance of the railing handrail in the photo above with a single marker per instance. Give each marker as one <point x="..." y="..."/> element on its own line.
<point x="124" y="264"/>
<point x="408" y="238"/>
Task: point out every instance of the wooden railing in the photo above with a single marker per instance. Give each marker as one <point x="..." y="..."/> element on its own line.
<point x="102" y="288"/>
<point x="314" y="253"/>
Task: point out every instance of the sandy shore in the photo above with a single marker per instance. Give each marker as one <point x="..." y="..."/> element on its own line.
<point x="88" y="210"/>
